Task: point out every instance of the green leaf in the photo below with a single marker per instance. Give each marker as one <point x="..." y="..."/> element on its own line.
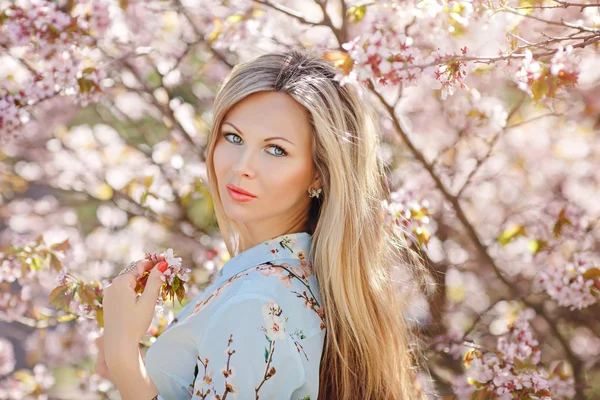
<point x="592" y="273"/>
<point x="86" y="294"/>
<point x="526" y="3"/>
<point x="539" y="88"/>
<point x="36" y="264"/>
<point x="422" y="234"/>
<point x="235" y="18"/>
<point x="148" y="181"/>
<point x="561" y="222"/>
<point x="61" y="296"/>
<point x="62" y="246"/>
<point x="55" y="262"/>
<point x="88" y="70"/>
<point x="216" y="31"/>
<point x="510" y="234"/>
<point x="100" y="317"/>
<point x="357" y="13"/>
<point x="266" y="355"/>
<point x="69" y="6"/>
<point x="3" y="16"/>
<point x="536" y="245"/>
<point x="180" y="292"/>
<point x="66" y="318"/>
<point x="58" y="293"/>
<point x="84" y="85"/>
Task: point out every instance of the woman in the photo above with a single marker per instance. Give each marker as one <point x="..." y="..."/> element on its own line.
<point x="306" y="309"/>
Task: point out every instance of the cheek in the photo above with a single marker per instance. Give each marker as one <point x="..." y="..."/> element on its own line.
<point x="289" y="181"/>
<point x="221" y="160"/>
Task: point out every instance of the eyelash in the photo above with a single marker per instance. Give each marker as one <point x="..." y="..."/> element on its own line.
<point x="283" y="152"/>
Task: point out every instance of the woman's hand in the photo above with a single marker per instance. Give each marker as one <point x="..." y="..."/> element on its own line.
<point x="101" y="367"/>
<point x="127" y="317"/>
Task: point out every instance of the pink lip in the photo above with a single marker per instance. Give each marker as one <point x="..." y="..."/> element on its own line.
<point x="238" y="194"/>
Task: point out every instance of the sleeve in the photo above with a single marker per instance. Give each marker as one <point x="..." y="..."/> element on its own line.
<point x="172" y="375"/>
<point x="248" y="353"/>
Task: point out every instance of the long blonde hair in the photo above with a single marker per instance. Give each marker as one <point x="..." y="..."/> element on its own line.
<point x="366" y="352"/>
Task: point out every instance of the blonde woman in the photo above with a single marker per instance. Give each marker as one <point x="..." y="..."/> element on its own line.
<point x="306" y="307"/>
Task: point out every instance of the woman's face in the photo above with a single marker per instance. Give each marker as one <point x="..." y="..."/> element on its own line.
<point x="264" y="147"/>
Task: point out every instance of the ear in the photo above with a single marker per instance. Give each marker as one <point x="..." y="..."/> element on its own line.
<point x="316" y="182"/>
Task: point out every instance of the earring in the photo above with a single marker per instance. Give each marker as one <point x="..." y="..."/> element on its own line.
<point x="312" y="192"/>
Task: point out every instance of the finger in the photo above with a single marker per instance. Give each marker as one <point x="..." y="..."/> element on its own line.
<point x="147" y="265"/>
<point x="152" y="290"/>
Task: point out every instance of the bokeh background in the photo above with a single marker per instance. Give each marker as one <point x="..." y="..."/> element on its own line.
<point x="490" y="130"/>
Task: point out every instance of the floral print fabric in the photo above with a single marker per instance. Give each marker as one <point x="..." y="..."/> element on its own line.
<point x="257" y="332"/>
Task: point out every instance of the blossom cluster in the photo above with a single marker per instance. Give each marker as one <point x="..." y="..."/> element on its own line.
<point x="174" y="269"/>
<point x="513" y="368"/>
<point x="386" y="53"/>
<point x="542" y="80"/>
<point x="383" y="54"/>
<point x="574" y="284"/>
<point x="409" y="215"/>
<point x="451" y="72"/>
<point x="25" y="384"/>
<point x="11" y="116"/>
<point x="51" y="44"/>
<point x="174" y="278"/>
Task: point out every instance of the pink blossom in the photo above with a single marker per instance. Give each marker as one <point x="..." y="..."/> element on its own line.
<point x="100" y="19"/>
<point x="7" y="357"/>
<point x="529" y="71"/>
<point x="565" y="66"/>
<point x="383" y="54"/>
<point x="566" y="284"/>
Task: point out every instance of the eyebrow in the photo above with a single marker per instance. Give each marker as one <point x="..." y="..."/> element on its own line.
<point x="266" y="140"/>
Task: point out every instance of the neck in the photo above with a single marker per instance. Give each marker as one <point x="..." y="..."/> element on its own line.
<point x="255" y="234"/>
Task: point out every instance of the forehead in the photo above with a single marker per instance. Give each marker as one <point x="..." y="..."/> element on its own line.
<point x="267" y="113"/>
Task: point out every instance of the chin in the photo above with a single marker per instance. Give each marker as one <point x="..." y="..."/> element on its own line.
<point x="239" y="215"/>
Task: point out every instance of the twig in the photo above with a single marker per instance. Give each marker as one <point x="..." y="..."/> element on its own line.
<point x="561" y="4"/>
<point x="495" y="139"/>
<point x="199" y="34"/>
<point x="289" y="12"/>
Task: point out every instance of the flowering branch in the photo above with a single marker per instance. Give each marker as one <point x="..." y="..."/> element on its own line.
<point x="561" y="4"/>
<point x="199" y="35"/>
<point x="482" y="249"/>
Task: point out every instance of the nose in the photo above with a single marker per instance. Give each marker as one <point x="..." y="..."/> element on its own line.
<point x="243" y="166"/>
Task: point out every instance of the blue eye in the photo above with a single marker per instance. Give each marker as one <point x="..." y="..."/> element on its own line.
<point x="281" y="151"/>
<point x="234" y="135"/>
<point x="236" y="139"/>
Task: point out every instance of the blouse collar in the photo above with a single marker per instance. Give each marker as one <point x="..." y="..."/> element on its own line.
<point x="285" y="247"/>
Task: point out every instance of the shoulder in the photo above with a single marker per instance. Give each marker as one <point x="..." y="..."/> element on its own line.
<point x="272" y="290"/>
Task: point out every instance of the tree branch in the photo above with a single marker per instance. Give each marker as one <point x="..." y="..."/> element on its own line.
<point x="482" y="249"/>
<point x="289" y="12"/>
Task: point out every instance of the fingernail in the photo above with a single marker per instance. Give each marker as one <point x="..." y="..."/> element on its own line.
<point x="162" y="266"/>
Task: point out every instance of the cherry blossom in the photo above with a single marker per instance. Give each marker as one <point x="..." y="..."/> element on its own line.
<point x="488" y="120"/>
<point x="7" y="357"/>
<point x="569" y="283"/>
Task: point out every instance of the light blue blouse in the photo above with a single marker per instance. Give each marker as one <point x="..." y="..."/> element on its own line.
<point x="256" y="332"/>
